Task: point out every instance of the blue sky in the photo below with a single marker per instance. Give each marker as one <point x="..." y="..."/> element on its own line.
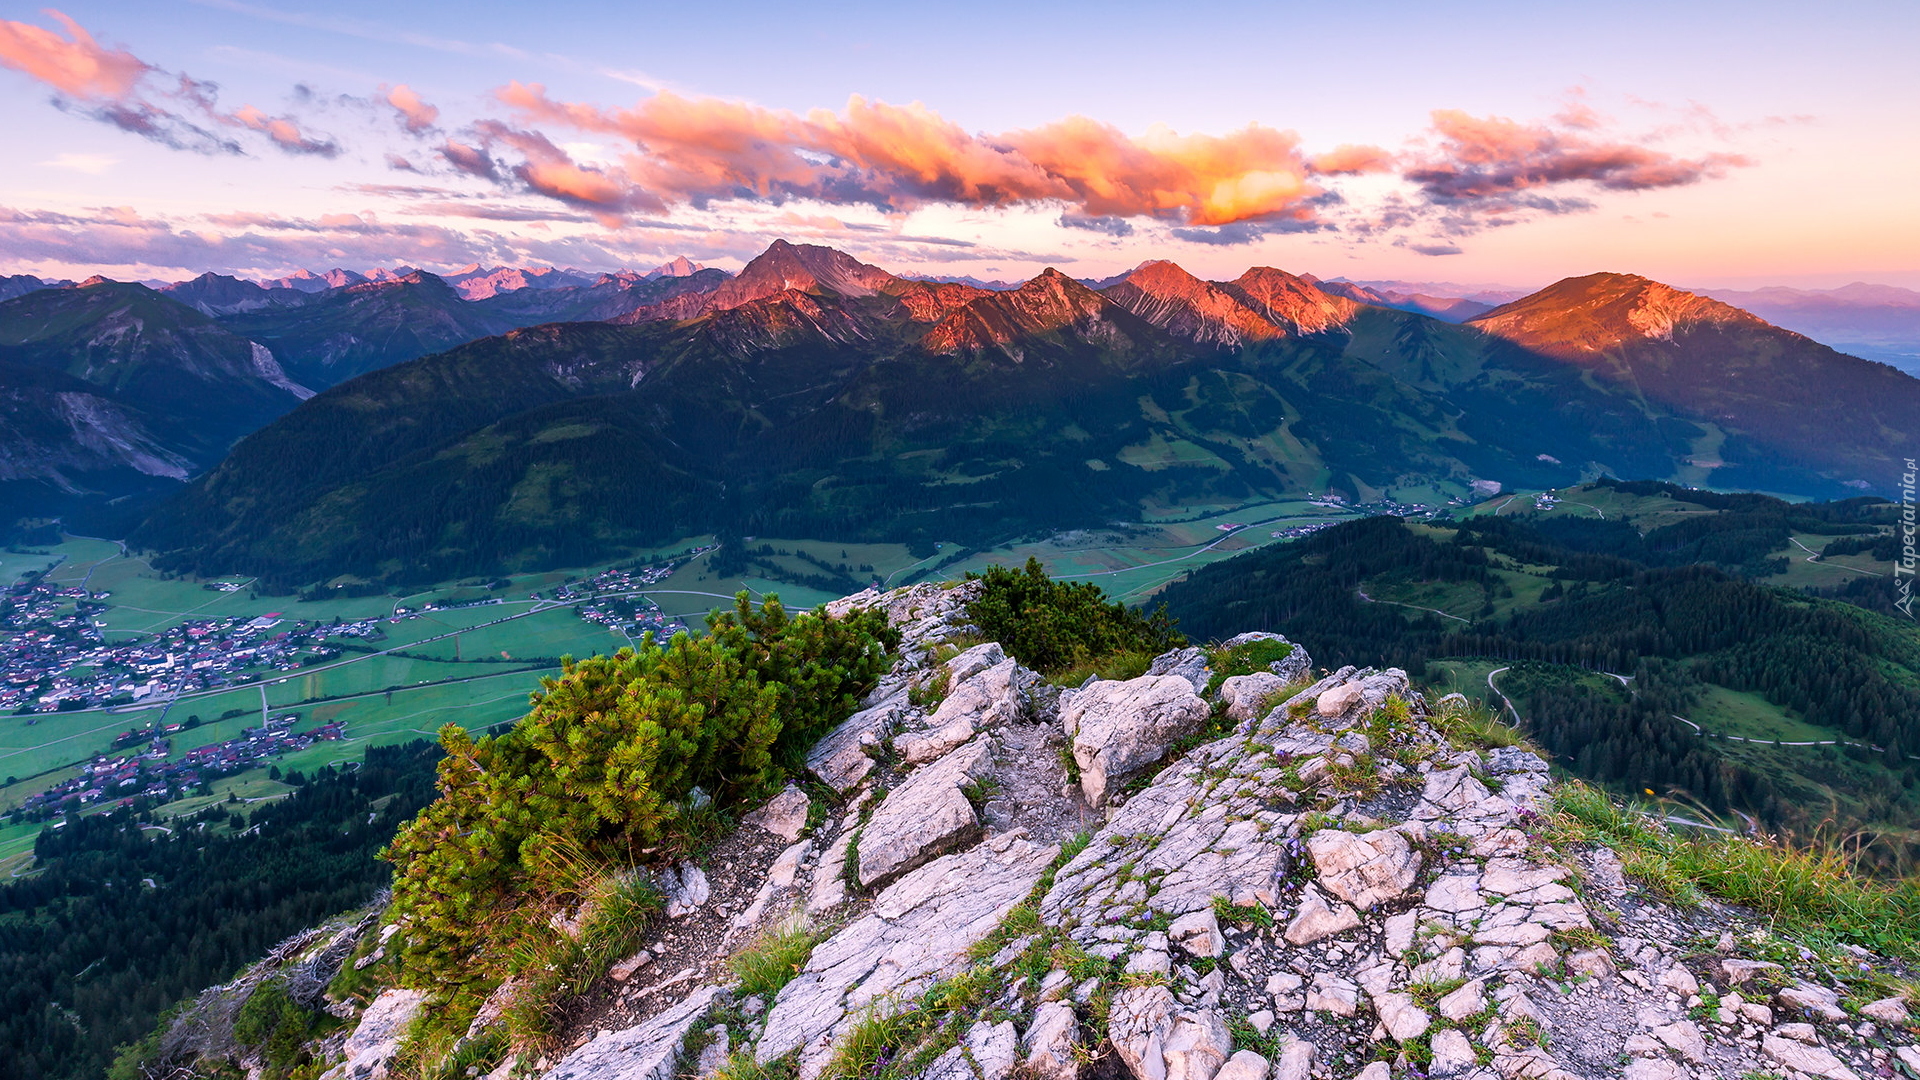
<point x="1761" y="143"/>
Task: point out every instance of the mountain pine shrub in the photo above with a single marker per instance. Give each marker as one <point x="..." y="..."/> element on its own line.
<point x="1057" y="627"/>
<point x="610" y="769"/>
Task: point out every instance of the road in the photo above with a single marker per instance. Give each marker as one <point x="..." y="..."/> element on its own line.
<point x="1416" y="607"/>
<point x="1814" y="557"/>
<point x="1785" y="742"/>
<point x="1670" y="819"/>
<point x="1221" y="539"/>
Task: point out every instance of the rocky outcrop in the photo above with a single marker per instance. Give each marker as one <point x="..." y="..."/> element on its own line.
<point x="924" y="816"/>
<point x="1341" y="886"/>
<point x="1119" y="728"/>
<point x="376" y="1039"/>
<point x="918" y="930"/>
<point x="648" y="1051"/>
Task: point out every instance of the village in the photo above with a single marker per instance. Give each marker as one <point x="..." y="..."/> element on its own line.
<point x="55" y="656"/>
<point x="610" y="601"/>
<point x="147" y="772"/>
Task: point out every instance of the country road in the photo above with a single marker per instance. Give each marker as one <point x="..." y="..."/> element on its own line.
<point x="1671" y="819"/>
<point x="1416" y="607"/>
<point x="1814" y="557"/>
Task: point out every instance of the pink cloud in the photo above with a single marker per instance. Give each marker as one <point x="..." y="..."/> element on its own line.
<point x="415" y="115"/>
<point x="75" y="64"/>
<point x="111" y="85"/>
<point x="285" y="132"/>
<point x="1491" y="158"/>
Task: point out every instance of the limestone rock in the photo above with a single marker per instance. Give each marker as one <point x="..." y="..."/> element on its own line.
<point x="1248" y="696"/>
<point x="1157" y="1040"/>
<point x="1891" y="1010"/>
<point x="1468" y="1000"/>
<point x="973" y="661"/>
<point x="1452" y="1053"/>
<point x="1680" y="981"/>
<point x="685" y="888"/>
<point x="1402" y="1018"/>
<point x="1316" y="919"/>
<point x="784" y="815"/>
<point x="625" y="969"/>
<point x="995" y="1048"/>
<point x="1296" y="1060"/>
<point x="1291" y="668"/>
<point x="647" y="1051"/>
<point x="713" y="1057"/>
<point x="829" y="888"/>
<point x="1364" y="870"/>
<point x="840" y="759"/>
<point x="1198" y="932"/>
<point x="1051" y="1040"/>
<point x="923" y="817"/>
<point x="989" y="696"/>
<point x="920" y="747"/>
<point x="917" y="931"/>
<point x="377" y="1037"/>
<point x="1739" y="972"/>
<point x="1244" y="1065"/>
<point x="1814" y="1001"/>
<point x="1338" y="700"/>
<point x="1332" y="994"/>
<point x="1811" y="1060"/>
<point x="1684" y="1036"/>
<point x="1119" y="728"/>
<point x="1189" y="663"/>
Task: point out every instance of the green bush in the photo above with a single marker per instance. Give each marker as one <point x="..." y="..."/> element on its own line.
<point x="603" y="772"/>
<point x="276" y="1027"/>
<point x="1054" y="627"/>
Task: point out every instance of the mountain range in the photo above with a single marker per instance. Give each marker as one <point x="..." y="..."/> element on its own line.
<point x="815" y="395"/>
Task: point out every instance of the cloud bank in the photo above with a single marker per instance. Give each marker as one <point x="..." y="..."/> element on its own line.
<point x="670" y="159"/>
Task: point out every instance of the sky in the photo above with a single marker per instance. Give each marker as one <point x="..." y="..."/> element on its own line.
<point x="1702" y="144"/>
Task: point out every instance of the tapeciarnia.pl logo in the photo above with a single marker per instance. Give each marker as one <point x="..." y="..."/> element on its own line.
<point x="1903" y="567"/>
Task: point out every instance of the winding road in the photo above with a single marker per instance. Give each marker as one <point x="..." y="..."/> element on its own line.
<point x="1363" y="595"/>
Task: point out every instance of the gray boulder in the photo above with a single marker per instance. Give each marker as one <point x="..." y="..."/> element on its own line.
<point x="1249" y="696"/>
<point x="917" y="931"/>
<point x="1189" y="663"/>
<point x="1292" y="668"/>
<point x="923" y="817"/>
<point x="1119" y="728"/>
<point x="650" y="1050"/>
<point x="376" y="1039"/>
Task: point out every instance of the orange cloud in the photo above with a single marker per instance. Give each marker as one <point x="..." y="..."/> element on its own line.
<point x="1483" y="158"/>
<point x="75" y="64"/>
<point x="415" y="115"/>
<point x="1350" y="159"/>
<point x="900" y="157"/>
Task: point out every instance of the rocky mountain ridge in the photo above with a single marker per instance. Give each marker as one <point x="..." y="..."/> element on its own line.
<point x="1022" y="881"/>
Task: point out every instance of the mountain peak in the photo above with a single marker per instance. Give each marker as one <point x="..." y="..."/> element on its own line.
<point x="678" y="266"/>
<point x="1263" y="303"/>
<point x="808" y="268"/>
<point x="1598" y="312"/>
<point x="1286" y="299"/>
<point x="1048" y="302"/>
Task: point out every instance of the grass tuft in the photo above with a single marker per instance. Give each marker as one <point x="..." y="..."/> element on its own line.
<point x="774" y="958"/>
<point x="1809" y="889"/>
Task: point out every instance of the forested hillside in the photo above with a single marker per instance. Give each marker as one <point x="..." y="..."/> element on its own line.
<point x="1619" y="643"/>
<point x="814" y="396"/>
<point x="123" y="918"/>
